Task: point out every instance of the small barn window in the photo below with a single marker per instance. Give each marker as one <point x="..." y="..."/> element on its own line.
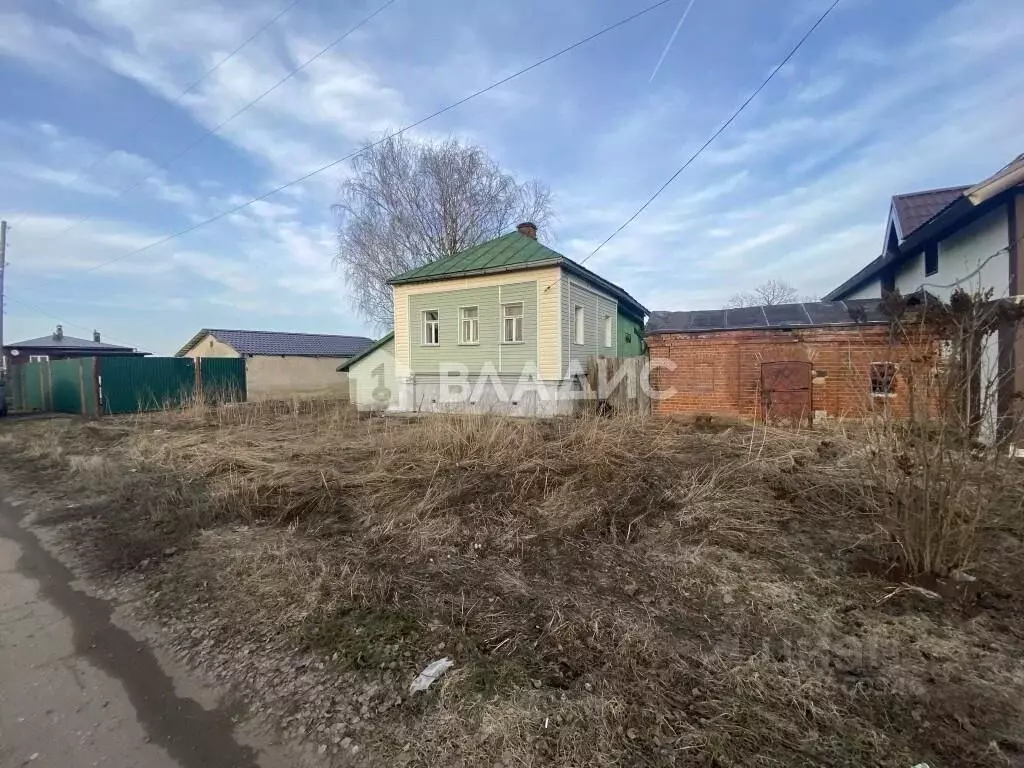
<point x="883" y="379"/>
<point x="931" y="259"/>
<point x="609" y="330"/>
<point x="513" y="323"/>
<point x="579" y="324"/>
<point x="470" y="333"/>
<point x="431" y="336"/>
<point x="39" y="358"/>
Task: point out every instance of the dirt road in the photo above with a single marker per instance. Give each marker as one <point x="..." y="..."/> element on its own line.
<point x="77" y="690"/>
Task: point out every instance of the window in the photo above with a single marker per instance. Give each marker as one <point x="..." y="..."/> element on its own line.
<point x="39" y="358"/>
<point x="578" y="324"/>
<point x="931" y="259"/>
<point x="469" y="326"/>
<point x="431" y="336"/>
<point x="883" y="379"/>
<point x="512" y="323"/>
<point x="609" y="330"/>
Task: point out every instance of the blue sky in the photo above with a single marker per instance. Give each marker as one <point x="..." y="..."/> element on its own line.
<point x="885" y="98"/>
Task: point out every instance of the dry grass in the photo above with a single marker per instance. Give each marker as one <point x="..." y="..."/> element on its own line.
<point x="614" y="592"/>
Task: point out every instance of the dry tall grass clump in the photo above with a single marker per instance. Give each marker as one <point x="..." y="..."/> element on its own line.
<point x="613" y="591"/>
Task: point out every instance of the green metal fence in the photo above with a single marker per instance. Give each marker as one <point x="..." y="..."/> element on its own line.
<point x="221" y="379"/>
<point x="96" y="385"/>
<point x="73" y="386"/>
<point x="133" y="384"/>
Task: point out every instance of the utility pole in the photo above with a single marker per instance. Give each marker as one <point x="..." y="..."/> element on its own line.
<point x="3" y="265"/>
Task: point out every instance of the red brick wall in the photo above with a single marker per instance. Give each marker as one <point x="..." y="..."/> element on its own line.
<point x="720" y="372"/>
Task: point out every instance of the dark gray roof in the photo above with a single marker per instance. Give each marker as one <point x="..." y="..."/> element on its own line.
<point x="67" y="343"/>
<point x="916" y="208"/>
<point x="817" y="314"/>
<point x="277" y="343"/>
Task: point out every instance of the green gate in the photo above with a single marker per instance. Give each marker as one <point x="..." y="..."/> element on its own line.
<point x="133" y="384"/>
<point x="221" y="379"/>
<point x="73" y="386"/>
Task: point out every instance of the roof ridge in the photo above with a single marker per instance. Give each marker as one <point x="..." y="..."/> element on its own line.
<point x="956" y="187"/>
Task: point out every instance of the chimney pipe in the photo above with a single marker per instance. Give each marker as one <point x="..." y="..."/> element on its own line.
<point x="96" y="336"/>
<point x="528" y="229"/>
<point x="58" y="334"/>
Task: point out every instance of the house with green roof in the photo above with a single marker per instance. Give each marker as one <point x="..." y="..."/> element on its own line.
<point x="509" y="324"/>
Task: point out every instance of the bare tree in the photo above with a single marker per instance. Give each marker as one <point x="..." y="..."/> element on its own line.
<point x="409" y="203"/>
<point x="771" y="292"/>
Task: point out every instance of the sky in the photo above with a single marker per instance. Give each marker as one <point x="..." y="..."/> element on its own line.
<point x="106" y="142"/>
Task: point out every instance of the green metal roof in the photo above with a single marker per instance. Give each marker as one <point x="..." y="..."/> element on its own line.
<point x="511" y="250"/>
<point x="369" y="350"/>
<point x="505" y="254"/>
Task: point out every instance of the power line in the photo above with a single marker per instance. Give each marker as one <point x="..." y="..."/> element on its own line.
<point x="99" y="161"/>
<point x="211" y="131"/>
<point x="370" y="146"/>
<point x="719" y="132"/>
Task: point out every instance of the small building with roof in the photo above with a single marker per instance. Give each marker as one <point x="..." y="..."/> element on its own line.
<point x="58" y="346"/>
<point x="282" y="365"/>
<point x="788" y="362"/>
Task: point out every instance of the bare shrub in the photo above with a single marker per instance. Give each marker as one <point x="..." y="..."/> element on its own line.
<point x="937" y="470"/>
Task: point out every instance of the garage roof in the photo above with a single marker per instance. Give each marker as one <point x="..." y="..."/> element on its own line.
<point x="817" y="314"/>
<point x="279" y="343"/>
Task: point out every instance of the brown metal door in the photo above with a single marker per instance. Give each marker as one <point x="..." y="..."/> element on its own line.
<point x="786" y="391"/>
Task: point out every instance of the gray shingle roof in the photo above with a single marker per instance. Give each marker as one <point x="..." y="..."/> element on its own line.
<point x="815" y="314"/>
<point x="277" y="343"/>
<point x="916" y="208"/>
<point x="67" y="342"/>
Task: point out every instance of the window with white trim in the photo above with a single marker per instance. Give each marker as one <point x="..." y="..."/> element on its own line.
<point x="579" y="325"/>
<point x="469" y="325"/>
<point x="609" y="331"/>
<point x="431" y="328"/>
<point x="39" y="358"/>
<point x="883" y="379"/>
<point x="512" y="322"/>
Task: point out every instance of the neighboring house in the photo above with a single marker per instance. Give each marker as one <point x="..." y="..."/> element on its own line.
<point x="371" y="376"/>
<point x="282" y="365"/>
<point x="966" y="237"/>
<point x="57" y="346"/>
<point x="515" y="319"/>
<point x="791" y="362"/>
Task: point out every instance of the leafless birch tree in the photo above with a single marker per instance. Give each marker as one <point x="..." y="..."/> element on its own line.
<point x="410" y="202"/>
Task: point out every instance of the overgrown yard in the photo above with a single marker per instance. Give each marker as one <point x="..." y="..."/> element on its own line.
<point x="612" y="592"/>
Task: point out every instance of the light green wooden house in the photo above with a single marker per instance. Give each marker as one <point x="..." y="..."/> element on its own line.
<point x="508" y="325"/>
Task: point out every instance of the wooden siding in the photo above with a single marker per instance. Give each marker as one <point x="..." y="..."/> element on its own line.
<point x="595" y="307"/>
<point x="630" y="336"/>
<point x="513" y="357"/>
<point x="408" y="329"/>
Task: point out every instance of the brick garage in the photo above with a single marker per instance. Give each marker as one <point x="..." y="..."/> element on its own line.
<point x="843" y="347"/>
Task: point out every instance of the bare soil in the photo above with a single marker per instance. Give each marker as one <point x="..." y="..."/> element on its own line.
<point x="612" y="592"/>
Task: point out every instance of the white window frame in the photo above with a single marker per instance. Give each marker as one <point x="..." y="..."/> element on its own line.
<point x="892" y="380"/>
<point x="39" y="358"/>
<point x="425" y="325"/>
<point x="517" y="335"/>
<point x="579" y="325"/>
<point x="473" y="324"/>
<point x="609" y="331"/>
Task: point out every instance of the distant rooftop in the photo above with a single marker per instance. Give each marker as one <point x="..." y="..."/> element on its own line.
<point x="280" y="343"/>
<point x="817" y="314"/>
<point x="67" y="343"/>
